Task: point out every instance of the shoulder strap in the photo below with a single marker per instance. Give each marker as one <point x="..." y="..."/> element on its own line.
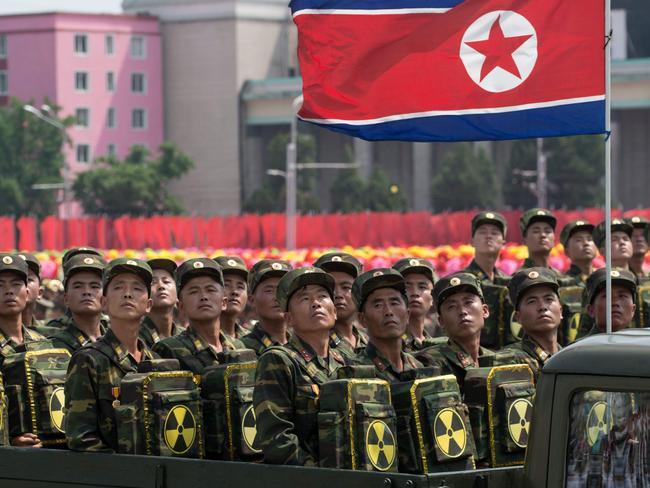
<point x="310" y="369"/>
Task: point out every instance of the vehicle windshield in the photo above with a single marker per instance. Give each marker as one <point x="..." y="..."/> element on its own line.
<point x="609" y="440"/>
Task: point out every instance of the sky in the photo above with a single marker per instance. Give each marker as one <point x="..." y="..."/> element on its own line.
<point x="28" y="6"/>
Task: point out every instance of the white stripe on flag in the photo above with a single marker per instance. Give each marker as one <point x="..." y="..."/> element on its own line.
<point x="394" y="11"/>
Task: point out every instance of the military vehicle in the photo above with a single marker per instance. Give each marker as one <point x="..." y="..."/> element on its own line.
<point x="591" y="427"/>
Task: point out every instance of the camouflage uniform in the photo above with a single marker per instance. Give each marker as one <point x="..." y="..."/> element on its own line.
<point x="32" y="341"/>
<point x="452" y="359"/>
<point x="92" y="390"/>
<point x="258" y="340"/>
<point x="383" y="368"/>
<point x="527" y="351"/>
<point x="71" y="337"/>
<point x="149" y="333"/>
<point x="500" y="278"/>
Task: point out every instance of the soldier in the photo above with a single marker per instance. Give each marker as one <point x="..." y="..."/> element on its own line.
<point x="538" y="230"/>
<point x="235" y="278"/>
<point x="288" y="378"/>
<point x="419" y="278"/>
<point x="202" y="297"/>
<point x="488" y="237"/>
<point x="159" y="323"/>
<point x="621" y="242"/>
<point x="347" y="336"/>
<point x="578" y="242"/>
<point x="380" y="295"/>
<point x="271" y="327"/>
<point x="35" y="290"/>
<point x="623" y="300"/>
<point x="534" y="294"/>
<point x="83" y="297"/>
<point x="639" y="244"/>
<point x="92" y="388"/>
<point x="462" y="312"/>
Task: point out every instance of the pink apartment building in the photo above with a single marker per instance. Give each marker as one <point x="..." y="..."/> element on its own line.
<point x="105" y="70"/>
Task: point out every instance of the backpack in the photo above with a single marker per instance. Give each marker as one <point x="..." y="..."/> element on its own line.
<point x="34" y="386"/>
<point x="572" y="298"/>
<point x="495" y="333"/>
<point x="434" y="432"/>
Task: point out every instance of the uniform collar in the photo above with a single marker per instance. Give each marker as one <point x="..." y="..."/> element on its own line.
<point x="477" y="271"/>
<point x="533" y="348"/>
<point x="261" y="335"/>
<point x="308" y="354"/>
<point x="28" y="336"/>
<point x="383" y="364"/>
<point x="123" y="356"/>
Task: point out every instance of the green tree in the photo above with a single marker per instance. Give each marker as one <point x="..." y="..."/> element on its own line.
<point x="135" y="186"/>
<point x="382" y="195"/>
<point x="348" y="192"/>
<point x="30" y="153"/>
<point x="464" y="180"/>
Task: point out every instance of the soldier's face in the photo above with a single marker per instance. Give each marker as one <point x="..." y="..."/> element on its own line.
<point x="418" y="292"/>
<point x="83" y="294"/>
<point x="126" y="298"/>
<point x="13" y="294"/>
<point x="385" y="314"/>
<point x="236" y="293"/>
<point x="264" y="300"/>
<point x="539" y="237"/>
<point x="163" y="289"/>
<point x="34" y="287"/>
<point x="539" y="310"/>
<point x="639" y="244"/>
<point x="202" y="298"/>
<point x="621" y="246"/>
<point x="581" y="247"/>
<point x="311" y="309"/>
<point x="487" y="239"/>
<point x="623" y="308"/>
<point x="343" y="301"/>
<point x="463" y="315"/>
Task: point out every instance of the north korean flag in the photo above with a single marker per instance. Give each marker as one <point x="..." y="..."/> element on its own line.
<point x="452" y="70"/>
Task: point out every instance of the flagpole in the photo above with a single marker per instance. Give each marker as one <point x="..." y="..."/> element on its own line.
<point x="608" y="165"/>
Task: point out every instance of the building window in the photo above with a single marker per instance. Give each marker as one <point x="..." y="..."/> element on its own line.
<point x="110" y="81"/>
<point x="110" y="150"/>
<point x="110" y="118"/>
<point x="81" y="44"/>
<point x="81" y="81"/>
<point x="3" y="46"/>
<point x="138" y="48"/>
<point x="4" y="83"/>
<point x="83" y="153"/>
<point x="109" y="44"/>
<point x="83" y="117"/>
<point x="139" y="118"/>
<point x="138" y="83"/>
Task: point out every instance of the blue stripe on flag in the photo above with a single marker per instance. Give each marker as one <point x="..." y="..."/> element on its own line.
<point x="296" y="5"/>
<point x="563" y="120"/>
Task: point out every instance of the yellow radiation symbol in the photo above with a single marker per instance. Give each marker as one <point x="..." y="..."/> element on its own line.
<point x="380" y="446"/>
<point x="519" y="415"/>
<point x="599" y="422"/>
<point x="574" y="328"/>
<point x="516" y="329"/>
<point x="249" y="429"/>
<point x="180" y="429"/>
<point x="57" y="401"/>
<point x="450" y="432"/>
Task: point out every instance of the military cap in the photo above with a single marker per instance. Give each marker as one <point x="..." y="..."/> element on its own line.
<point x="165" y="264"/>
<point x="597" y="279"/>
<point x="198" y="267"/>
<point x="415" y="265"/>
<point x="267" y="268"/>
<point x="618" y="225"/>
<point x="533" y="215"/>
<point x="233" y="264"/>
<point x="78" y="250"/>
<point x="32" y="263"/>
<point x="572" y="227"/>
<point x="637" y="222"/>
<point x="127" y="265"/>
<point x="11" y="262"/>
<point x="339" y="261"/>
<point x="294" y="280"/>
<point x="455" y="283"/>
<point x="83" y="262"/>
<point x="489" y="217"/>
<point x="526" y="278"/>
<point x="375" y="279"/>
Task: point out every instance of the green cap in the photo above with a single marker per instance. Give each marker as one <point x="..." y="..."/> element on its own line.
<point x="32" y="263"/>
<point x="415" y="265"/>
<point x="637" y="221"/>
<point x="533" y="215"/>
<point x="197" y="267"/>
<point x="127" y="265"/>
<point x="165" y="264"/>
<point x="526" y="278"/>
<point x="489" y="217"/>
<point x="375" y="279"/>
<point x="574" y="226"/>
<point x="339" y="261"/>
<point x="78" y="250"/>
<point x="267" y="268"/>
<point x="232" y="264"/>
<point x="456" y="283"/>
<point x="294" y="280"/>
<point x="83" y="262"/>
<point x="618" y="225"/>
<point x="597" y="279"/>
<point x="11" y="262"/>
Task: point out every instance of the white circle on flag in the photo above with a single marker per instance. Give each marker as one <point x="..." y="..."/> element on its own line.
<point x="524" y="56"/>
